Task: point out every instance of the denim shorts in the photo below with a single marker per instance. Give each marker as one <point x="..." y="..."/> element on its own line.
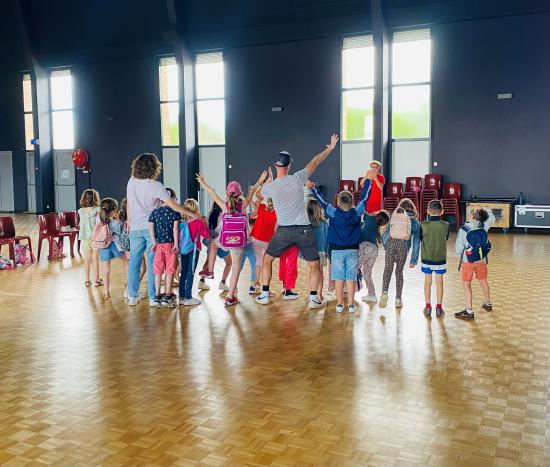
<point x="109" y="253"/>
<point x="344" y="265"/>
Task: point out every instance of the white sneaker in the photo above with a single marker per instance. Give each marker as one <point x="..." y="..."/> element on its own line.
<point x="369" y="298"/>
<point x="383" y="300"/>
<point x="223" y="286"/>
<point x="351" y="308"/>
<point x="189" y="301"/>
<point x="154" y="303"/>
<point x="316" y="303"/>
<point x="262" y="299"/>
<point x="203" y="286"/>
<point x="126" y="292"/>
<point x="398" y="303"/>
<point x="133" y="301"/>
<point x="339" y="308"/>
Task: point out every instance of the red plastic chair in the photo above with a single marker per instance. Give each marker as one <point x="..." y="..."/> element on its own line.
<point x="390" y="203"/>
<point x="425" y="198"/>
<point x="346" y="185"/>
<point x="413" y="184"/>
<point x="433" y="182"/>
<point x="394" y="190"/>
<point x="71" y="220"/>
<point x="452" y="191"/>
<point x="49" y="227"/>
<point x="451" y="208"/>
<point x="9" y="237"/>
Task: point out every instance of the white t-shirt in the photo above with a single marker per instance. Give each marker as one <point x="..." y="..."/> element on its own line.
<point x="144" y="196"/>
<point x="287" y="194"/>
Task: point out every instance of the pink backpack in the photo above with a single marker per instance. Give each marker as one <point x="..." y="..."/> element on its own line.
<point x="400" y="225"/>
<point x="23" y="255"/>
<point x="102" y="236"/>
<point x="234" y="231"/>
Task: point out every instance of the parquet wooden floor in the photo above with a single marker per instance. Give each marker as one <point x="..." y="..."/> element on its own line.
<point x="85" y="383"/>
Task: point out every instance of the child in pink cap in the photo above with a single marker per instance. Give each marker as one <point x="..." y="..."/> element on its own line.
<point x="234" y="204"/>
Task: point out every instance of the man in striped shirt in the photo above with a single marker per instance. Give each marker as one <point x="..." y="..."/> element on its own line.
<point x="287" y="194"/>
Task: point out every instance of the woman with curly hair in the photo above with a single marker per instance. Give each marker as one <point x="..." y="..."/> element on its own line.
<point x="144" y="194"/>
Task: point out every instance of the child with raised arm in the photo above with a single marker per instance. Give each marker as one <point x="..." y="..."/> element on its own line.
<point x="233" y="205"/>
<point x="344" y="236"/>
<point x="474" y="262"/>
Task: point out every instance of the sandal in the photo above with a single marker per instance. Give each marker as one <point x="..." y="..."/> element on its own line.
<point x="88" y="283"/>
<point x="107" y="296"/>
<point x="99" y="283"/>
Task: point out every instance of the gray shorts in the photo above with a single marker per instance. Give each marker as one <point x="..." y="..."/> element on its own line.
<point x="300" y="235"/>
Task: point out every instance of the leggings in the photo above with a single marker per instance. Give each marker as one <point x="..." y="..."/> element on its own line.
<point x="368" y="252"/>
<point x="288" y="267"/>
<point x="396" y="253"/>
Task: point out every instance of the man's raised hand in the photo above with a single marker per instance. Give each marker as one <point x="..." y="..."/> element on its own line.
<point x="333" y="142"/>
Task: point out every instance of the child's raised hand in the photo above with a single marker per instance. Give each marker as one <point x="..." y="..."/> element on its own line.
<point x="309" y="184"/>
<point x="269" y="175"/>
<point x="200" y="179"/>
<point x="263" y="176"/>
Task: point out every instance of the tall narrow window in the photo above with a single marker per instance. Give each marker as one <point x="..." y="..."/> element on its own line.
<point x="357" y="104"/>
<point x="411" y="103"/>
<point x="169" y="101"/>
<point x="210" y="112"/>
<point x="61" y="94"/>
<point x="210" y="94"/>
<point x="28" y="111"/>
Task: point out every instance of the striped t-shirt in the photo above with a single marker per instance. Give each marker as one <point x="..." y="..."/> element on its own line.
<point x="287" y="194"/>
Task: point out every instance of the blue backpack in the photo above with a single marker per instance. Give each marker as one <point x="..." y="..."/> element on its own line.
<point x="186" y="242"/>
<point x="479" y="245"/>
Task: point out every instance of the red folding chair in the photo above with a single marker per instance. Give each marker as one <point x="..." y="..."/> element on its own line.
<point x="390" y="203"/>
<point x="433" y="182"/>
<point x="452" y="193"/>
<point x="346" y="185"/>
<point x="425" y="197"/>
<point x="71" y="221"/>
<point x="49" y="227"/>
<point x="10" y="238"/>
<point x="413" y="184"/>
<point x="394" y="190"/>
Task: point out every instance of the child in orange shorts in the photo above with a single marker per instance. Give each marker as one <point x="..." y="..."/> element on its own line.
<point x="480" y="219"/>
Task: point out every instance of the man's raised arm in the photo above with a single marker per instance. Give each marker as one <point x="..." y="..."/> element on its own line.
<point x="319" y="158"/>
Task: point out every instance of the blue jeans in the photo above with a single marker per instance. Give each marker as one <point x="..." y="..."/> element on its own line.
<point x="344" y="265"/>
<point x="251" y="255"/>
<point x="187" y="274"/>
<point x="140" y="243"/>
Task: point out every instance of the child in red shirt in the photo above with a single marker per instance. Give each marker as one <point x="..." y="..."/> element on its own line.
<point x="262" y="230"/>
<point x="188" y="262"/>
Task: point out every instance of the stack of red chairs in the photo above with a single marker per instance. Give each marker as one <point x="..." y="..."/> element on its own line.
<point x="451" y="202"/>
<point x="49" y="227"/>
<point x="347" y="185"/>
<point x="394" y="193"/>
<point x="9" y="237"/>
<point x="433" y="182"/>
<point x="425" y="198"/>
<point x="413" y="187"/>
<point x="71" y="221"/>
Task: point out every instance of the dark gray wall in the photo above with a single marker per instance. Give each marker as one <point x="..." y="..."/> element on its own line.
<point x="302" y="77"/>
<point x="117" y="117"/>
<point x="495" y="148"/>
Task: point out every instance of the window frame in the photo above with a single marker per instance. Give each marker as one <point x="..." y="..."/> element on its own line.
<point x="26" y="76"/>
<point x="344" y="89"/>
<point x="52" y="74"/>
<point x="414" y="84"/>
<point x="169" y="101"/>
<point x="203" y="99"/>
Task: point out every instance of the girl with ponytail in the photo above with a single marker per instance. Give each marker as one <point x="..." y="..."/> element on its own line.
<point x="106" y="236"/>
<point x="234" y="204"/>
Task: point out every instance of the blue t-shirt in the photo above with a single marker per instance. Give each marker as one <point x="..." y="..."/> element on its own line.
<point x="163" y="219"/>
